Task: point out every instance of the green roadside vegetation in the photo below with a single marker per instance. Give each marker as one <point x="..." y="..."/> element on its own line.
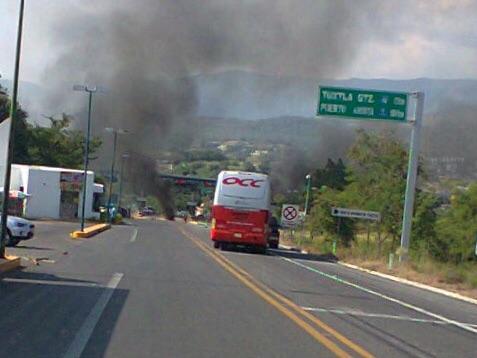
<point x="444" y="229"/>
<point x="370" y="176"/>
<point x="57" y="145"/>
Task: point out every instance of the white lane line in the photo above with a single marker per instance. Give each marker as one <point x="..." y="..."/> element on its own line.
<point x="388" y="298"/>
<point x="412" y="283"/>
<point x="378" y="315"/>
<point x="50" y="282"/>
<point x="84" y="333"/>
<point x="134" y="236"/>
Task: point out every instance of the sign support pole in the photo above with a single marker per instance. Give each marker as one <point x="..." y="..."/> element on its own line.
<point x="411" y="176"/>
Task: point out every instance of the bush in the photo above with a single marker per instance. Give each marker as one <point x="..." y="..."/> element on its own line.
<point x="118" y="219"/>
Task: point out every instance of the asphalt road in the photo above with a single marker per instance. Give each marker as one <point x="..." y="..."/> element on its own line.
<point x="158" y="289"/>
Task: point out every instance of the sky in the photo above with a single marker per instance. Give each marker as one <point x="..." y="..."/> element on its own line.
<point x="406" y="39"/>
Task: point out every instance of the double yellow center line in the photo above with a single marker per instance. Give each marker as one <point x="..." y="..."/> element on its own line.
<point x="300" y="317"/>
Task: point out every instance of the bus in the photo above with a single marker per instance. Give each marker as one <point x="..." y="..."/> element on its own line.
<point x="241" y="210"/>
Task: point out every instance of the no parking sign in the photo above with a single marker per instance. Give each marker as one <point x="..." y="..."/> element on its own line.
<point x="290" y="215"/>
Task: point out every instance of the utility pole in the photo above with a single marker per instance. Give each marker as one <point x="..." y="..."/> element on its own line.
<point x="90" y="91"/>
<point x="13" y="116"/>
<point x="411" y="176"/>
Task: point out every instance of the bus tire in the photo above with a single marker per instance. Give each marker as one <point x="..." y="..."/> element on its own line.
<point x="216" y="244"/>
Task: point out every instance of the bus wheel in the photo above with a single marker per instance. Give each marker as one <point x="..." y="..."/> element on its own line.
<point x="216" y="244"/>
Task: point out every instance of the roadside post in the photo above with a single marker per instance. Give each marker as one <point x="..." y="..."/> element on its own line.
<point x="375" y="105"/>
<point x="475" y="245"/>
<point x="390" y="261"/>
<point x="290" y="217"/>
<point x="13" y="116"/>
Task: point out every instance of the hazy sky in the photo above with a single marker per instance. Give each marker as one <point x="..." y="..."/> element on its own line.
<point x="397" y="39"/>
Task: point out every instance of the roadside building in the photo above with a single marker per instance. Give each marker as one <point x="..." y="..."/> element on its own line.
<point x="55" y="193"/>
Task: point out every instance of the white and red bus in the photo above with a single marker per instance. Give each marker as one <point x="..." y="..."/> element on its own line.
<point x="241" y="210"/>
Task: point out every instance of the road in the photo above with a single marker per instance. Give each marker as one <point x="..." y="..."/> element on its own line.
<point x="158" y="289"/>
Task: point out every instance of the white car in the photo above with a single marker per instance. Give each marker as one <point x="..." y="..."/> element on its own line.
<point x="18" y="229"/>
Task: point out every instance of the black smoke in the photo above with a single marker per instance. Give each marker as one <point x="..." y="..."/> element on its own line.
<point x="145" y="52"/>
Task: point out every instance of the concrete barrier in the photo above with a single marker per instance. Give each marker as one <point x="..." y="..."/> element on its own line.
<point x="90" y="231"/>
<point x="9" y="263"/>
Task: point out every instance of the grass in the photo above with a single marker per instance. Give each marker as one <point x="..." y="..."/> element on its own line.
<point x="460" y="278"/>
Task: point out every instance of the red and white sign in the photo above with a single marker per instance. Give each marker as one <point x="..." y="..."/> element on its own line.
<point x="245" y="182"/>
<point x="290" y="215"/>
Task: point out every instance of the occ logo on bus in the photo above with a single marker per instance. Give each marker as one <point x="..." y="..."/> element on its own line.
<point x="242" y="182"/>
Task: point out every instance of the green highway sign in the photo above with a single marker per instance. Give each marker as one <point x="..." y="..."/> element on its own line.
<point x="362" y="104"/>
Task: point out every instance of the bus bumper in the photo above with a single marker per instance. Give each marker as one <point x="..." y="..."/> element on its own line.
<point x="238" y="238"/>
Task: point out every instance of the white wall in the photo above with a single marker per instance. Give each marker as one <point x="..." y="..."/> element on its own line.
<point x="44" y="188"/>
<point x="88" y="210"/>
<point x="17" y="178"/>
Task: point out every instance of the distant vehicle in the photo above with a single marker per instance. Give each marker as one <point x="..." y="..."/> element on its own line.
<point x="18" y="229"/>
<point x="181" y="213"/>
<point x="125" y="213"/>
<point x="241" y="210"/>
<point x="274" y="235"/>
<point x="147" y="211"/>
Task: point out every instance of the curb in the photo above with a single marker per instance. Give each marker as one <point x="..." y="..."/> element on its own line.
<point x="293" y="248"/>
<point x="89" y="231"/>
<point x="412" y="283"/>
<point x="9" y="263"/>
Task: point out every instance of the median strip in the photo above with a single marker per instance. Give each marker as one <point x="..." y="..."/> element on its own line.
<point x="89" y="231"/>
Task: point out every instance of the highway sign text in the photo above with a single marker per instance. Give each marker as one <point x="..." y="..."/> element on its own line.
<point x="357" y="214"/>
<point x="362" y="104"/>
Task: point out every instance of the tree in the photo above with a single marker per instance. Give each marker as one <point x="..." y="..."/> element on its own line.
<point x="457" y="227"/>
<point x="4" y="104"/>
<point x="56" y="145"/>
<point x="21" y="127"/>
<point x="424" y="224"/>
<point x="322" y="222"/>
<point x="333" y="175"/>
<point x="248" y="166"/>
<point x="377" y="178"/>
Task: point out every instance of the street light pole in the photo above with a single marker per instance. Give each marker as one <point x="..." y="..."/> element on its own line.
<point x="90" y="91"/>
<point x="115" y="140"/>
<point x="123" y="158"/>
<point x="308" y="189"/>
<point x="115" y="133"/>
<point x="13" y="115"/>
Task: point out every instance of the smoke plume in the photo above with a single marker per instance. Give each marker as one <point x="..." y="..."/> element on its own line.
<point x="144" y="53"/>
